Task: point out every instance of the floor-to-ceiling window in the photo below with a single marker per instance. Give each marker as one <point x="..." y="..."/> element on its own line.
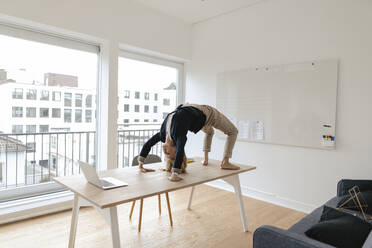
<point x="148" y="89"/>
<point x="47" y="105"/>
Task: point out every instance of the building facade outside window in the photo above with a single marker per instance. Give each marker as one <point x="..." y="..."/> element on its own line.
<point x="17" y="93"/>
<point x="31" y="129"/>
<point x="137" y="95"/>
<point x="56" y="96"/>
<point x="147" y="108"/>
<point x="88" y="116"/>
<point x="146" y="120"/>
<point x="137" y="108"/>
<point x="31" y="112"/>
<point x="31" y="94"/>
<point x="78" y="100"/>
<point x="68" y="99"/>
<point x="67" y="115"/>
<point x="56" y="112"/>
<point x="136" y="120"/>
<point x="155" y="109"/>
<point x="44" y="128"/>
<point x="147" y="96"/>
<point x="156" y="96"/>
<point x="17" y="129"/>
<point x="44" y="112"/>
<point x="127" y="94"/>
<point x="17" y="111"/>
<point x="166" y="102"/>
<point x="88" y="101"/>
<point x="78" y="115"/>
<point x="126" y="107"/>
<point x="44" y="95"/>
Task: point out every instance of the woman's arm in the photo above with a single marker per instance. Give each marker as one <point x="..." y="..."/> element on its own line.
<point x="145" y="151"/>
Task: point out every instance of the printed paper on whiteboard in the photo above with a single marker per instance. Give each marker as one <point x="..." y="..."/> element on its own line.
<point x="257" y="130"/>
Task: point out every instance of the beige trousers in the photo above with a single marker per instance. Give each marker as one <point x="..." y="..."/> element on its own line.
<point x="215" y="119"/>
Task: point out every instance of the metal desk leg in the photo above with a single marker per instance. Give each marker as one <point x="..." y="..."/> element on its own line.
<point x="74" y="221"/>
<point x="114" y="224"/>
<point x="191" y="196"/>
<point x="234" y="181"/>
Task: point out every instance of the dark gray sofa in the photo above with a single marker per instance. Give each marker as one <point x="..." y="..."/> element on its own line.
<point x="294" y="237"/>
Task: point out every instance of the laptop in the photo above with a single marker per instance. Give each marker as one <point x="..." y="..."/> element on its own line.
<point x="91" y="175"/>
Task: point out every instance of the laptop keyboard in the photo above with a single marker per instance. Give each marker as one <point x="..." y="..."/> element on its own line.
<point x="106" y="184"/>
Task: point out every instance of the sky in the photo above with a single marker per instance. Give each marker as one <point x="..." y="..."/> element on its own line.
<point x="26" y="61"/>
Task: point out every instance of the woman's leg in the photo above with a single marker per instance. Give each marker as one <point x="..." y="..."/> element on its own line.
<point x="209" y="132"/>
<point x="227" y="127"/>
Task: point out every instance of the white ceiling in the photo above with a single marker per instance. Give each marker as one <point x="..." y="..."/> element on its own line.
<point x="194" y="11"/>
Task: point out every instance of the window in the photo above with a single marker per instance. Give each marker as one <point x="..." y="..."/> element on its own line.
<point x="42" y="68"/>
<point x="78" y="100"/>
<point x="136" y="120"/>
<point x="17" y="129"/>
<point x="147" y="108"/>
<point x="68" y="99"/>
<point x="88" y="101"/>
<point x="165" y="115"/>
<point x="137" y="95"/>
<point x="88" y="116"/>
<point x="166" y="102"/>
<point x="56" y="96"/>
<point x="44" y="112"/>
<point x="155" y="109"/>
<point x="136" y="108"/>
<point x="126" y="107"/>
<point x="31" y="112"/>
<point x="126" y="120"/>
<point x="67" y="115"/>
<point x="155" y="120"/>
<point x="17" y="111"/>
<point x="146" y="120"/>
<point x="56" y="112"/>
<point x="78" y="115"/>
<point x="44" y="95"/>
<point x="126" y="94"/>
<point x="147" y="96"/>
<point x="31" y="129"/>
<point x="156" y="96"/>
<point x="17" y="93"/>
<point x="31" y="94"/>
<point x="44" y="128"/>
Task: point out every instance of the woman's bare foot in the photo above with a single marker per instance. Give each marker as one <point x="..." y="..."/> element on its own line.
<point x="226" y="165"/>
<point x="143" y="169"/>
<point x="174" y="177"/>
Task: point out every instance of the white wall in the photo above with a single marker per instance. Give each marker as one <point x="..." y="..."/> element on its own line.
<point x="285" y="31"/>
<point x="119" y="20"/>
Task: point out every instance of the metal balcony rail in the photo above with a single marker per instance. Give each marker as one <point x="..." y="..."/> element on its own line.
<point x="35" y="158"/>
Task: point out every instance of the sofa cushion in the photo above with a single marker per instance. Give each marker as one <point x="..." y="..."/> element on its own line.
<point x="368" y="242"/>
<point x="305" y="223"/>
<point x="340" y="229"/>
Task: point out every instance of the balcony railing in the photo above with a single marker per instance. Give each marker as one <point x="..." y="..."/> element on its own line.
<point x="29" y="159"/>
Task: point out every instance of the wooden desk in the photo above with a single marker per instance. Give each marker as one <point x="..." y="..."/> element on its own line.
<point x="142" y="185"/>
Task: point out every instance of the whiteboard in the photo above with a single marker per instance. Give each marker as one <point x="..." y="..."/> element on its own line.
<point x="291" y="104"/>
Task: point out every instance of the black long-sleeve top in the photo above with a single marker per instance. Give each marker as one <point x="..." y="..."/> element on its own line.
<point x="185" y="119"/>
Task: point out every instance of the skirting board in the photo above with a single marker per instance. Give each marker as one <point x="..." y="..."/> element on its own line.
<point x="266" y="197"/>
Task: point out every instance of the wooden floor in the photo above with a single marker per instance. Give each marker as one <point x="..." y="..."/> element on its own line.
<point x="214" y="221"/>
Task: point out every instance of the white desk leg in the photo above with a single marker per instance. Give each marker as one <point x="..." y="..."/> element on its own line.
<point x="74" y="221"/>
<point x="234" y="181"/>
<point x="114" y="224"/>
<point x="191" y="196"/>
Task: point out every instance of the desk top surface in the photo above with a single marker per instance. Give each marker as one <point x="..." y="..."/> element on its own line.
<point x="142" y="185"/>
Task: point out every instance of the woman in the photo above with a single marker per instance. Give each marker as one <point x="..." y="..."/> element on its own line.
<point x="191" y="117"/>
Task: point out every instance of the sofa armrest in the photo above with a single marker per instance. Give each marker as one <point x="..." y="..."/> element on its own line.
<point x="272" y="237"/>
<point x="344" y="185"/>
